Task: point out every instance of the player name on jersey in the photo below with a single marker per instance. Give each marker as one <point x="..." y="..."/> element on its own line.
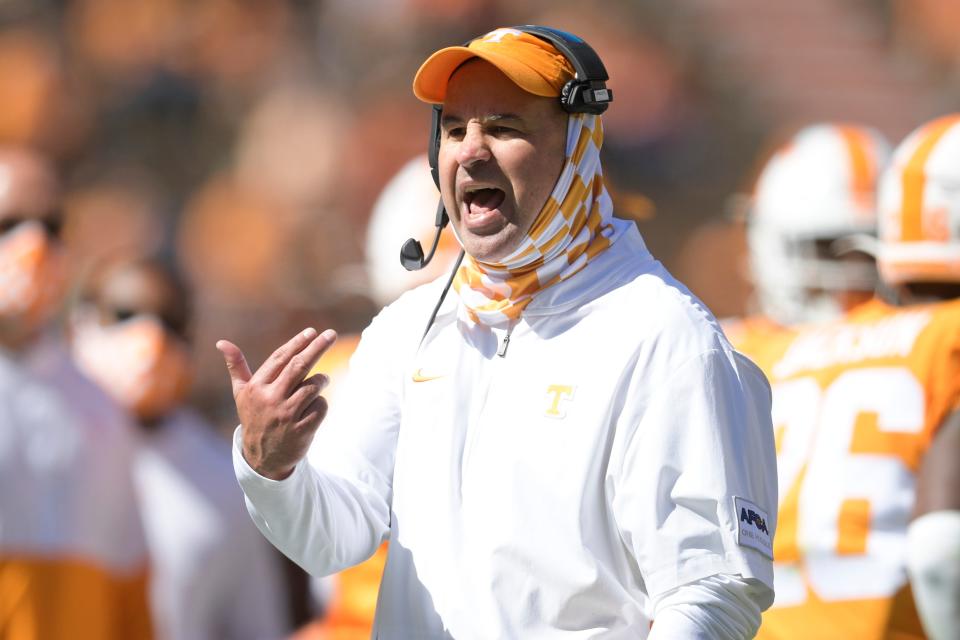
<point x="848" y="343"/>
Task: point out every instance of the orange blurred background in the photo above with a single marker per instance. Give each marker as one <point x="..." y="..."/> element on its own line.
<point x="247" y="140"/>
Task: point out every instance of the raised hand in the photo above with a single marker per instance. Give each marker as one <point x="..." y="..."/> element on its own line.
<point x="279" y="409"/>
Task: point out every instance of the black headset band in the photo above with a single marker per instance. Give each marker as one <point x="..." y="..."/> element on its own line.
<point x="581" y="56"/>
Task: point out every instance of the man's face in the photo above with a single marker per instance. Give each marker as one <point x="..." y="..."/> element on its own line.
<point x="31" y="273"/>
<point x="129" y="337"/>
<point x="501" y="152"/>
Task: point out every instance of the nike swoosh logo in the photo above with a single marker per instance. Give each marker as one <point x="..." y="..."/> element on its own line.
<point x="419" y="377"/>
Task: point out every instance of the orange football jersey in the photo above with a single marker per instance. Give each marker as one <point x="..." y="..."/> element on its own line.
<point x="759" y="338"/>
<point x="856" y="404"/>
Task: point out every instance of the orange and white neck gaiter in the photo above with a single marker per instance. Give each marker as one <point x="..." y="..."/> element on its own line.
<point x="143" y="367"/>
<point x="574" y="226"/>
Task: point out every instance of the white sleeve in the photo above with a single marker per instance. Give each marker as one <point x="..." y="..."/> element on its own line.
<point x="694" y="478"/>
<point x="322" y="522"/>
<point x="719" y="607"/>
<point x="334" y="515"/>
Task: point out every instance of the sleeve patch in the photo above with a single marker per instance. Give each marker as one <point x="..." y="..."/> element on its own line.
<point x="752" y="527"/>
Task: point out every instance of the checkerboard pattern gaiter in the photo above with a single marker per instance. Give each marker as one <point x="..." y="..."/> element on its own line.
<point x="574" y="226"/>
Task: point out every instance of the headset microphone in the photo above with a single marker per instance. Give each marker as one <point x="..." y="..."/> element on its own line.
<point x="411" y="253"/>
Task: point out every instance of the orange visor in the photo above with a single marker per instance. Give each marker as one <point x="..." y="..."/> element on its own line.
<point x="531" y="63"/>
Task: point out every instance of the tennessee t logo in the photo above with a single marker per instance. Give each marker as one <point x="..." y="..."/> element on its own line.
<point x="557" y="393"/>
<point x="497" y="35"/>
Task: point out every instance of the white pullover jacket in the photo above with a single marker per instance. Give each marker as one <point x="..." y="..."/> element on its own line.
<point x="73" y="559"/>
<point x="212" y="575"/>
<point x="616" y="450"/>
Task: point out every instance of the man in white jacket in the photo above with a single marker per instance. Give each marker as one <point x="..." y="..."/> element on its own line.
<point x="132" y="336"/>
<point x="73" y="561"/>
<point x="571" y="448"/>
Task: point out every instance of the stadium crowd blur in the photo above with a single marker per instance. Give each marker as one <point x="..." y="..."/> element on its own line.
<point x="246" y="141"/>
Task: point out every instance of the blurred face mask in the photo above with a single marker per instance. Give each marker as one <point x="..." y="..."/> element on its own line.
<point x="137" y="361"/>
<point x="31" y="275"/>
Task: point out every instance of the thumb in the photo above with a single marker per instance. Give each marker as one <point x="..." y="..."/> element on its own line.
<point x="236" y="363"/>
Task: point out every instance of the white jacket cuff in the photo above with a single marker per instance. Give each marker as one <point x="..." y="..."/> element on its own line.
<point x="718" y="607"/>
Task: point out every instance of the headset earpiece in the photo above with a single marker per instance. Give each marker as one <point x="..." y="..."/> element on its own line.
<point x="587" y="92"/>
<point x="433" y="148"/>
<point x="585" y="97"/>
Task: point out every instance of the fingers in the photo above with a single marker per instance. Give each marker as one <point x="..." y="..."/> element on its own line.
<point x="236" y="364"/>
<point x="313" y="414"/>
<point x="273" y="365"/>
<point x="300" y="364"/>
<point x="307" y="391"/>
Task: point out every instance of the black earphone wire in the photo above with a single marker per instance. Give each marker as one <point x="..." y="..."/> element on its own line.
<point x="443" y="296"/>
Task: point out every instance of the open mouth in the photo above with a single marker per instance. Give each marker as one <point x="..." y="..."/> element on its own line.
<point x="482" y="202"/>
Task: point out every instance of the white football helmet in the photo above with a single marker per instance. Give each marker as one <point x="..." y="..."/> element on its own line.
<point x="819" y="187"/>
<point x="919" y="227"/>
<point x="406" y="208"/>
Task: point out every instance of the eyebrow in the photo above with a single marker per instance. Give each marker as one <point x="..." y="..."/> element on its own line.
<point x="449" y="120"/>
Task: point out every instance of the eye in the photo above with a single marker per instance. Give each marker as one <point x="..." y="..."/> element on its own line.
<point x="8" y="224"/>
<point x="53" y="226"/>
<point x="52" y="223"/>
<point x="121" y="314"/>
<point x="504" y="131"/>
<point x="455" y="133"/>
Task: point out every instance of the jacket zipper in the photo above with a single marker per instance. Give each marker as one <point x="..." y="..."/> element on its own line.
<point x="505" y="341"/>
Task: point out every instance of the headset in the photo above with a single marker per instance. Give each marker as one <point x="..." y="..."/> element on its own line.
<point x="586" y="92"/>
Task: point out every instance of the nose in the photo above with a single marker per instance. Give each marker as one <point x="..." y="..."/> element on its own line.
<point x="473" y="148"/>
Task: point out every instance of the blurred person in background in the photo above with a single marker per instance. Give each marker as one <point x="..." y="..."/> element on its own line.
<point x="918" y="256"/>
<point x="72" y="552"/>
<point x="865" y="411"/>
<point x="405" y="208"/>
<point x="523" y="490"/>
<point x="131" y="334"/>
<point x="815" y="192"/>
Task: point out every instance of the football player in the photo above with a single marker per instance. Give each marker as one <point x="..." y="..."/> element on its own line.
<point x="867" y="431"/>
<point x="816" y="189"/>
<point x="919" y="256"/>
